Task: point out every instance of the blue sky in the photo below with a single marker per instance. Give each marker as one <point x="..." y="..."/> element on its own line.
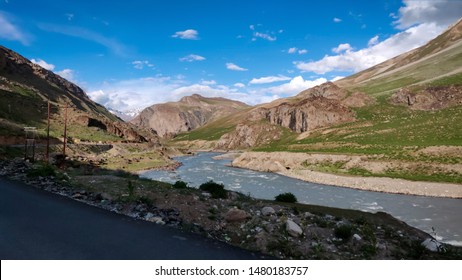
<point x="131" y="54"/>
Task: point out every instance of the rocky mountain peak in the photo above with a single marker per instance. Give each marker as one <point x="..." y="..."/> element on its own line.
<point x="190" y="112"/>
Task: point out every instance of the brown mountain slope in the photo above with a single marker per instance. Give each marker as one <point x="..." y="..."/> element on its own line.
<point x="438" y="58"/>
<point x="25" y="89"/>
<point x="190" y="112"/>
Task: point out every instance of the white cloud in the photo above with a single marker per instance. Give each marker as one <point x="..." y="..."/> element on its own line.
<point x="264" y="36"/>
<point x="67" y="74"/>
<point x="234" y="67"/>
<point x="135" y="93"/>
<point x="373" y="41"/>
<point x="269" y="79"/>
<point x="140" y="64"/>
<point x="252" y="27"/>
<point x="354" y="61"/>
<point x="43" y="64"/>
<point x="439" y="12"/>
<point x="336" y="78"/>
<point x="296" y="50"/>
<point x="239" y="85"/>
<point x="11" y="32"/>
<point x="337" y="20"/>
<point x="292" y="50"/>
<point x="189" y="34"/>
<point x="342" y="47"/>
<point x="209" y="83"/>
<point x="85" y="34"/>
<point x="69" y="16"/>
<point x="191" y="58"/>
<point x="295" y="86"/>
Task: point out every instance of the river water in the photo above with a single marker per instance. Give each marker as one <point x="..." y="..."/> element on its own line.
<point x="444" y="215"/>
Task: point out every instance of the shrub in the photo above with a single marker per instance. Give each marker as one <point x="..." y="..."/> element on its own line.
<point x="180" y="185"/>
<point x="131" y="189"/>
<point x="343" y="231"/>
<point x="215" y="189"/>
<point x="42" y="170"/>
<point x="286" y="197"/>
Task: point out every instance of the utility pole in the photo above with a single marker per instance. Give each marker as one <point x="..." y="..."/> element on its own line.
<point x="48" y="134"/>
<point x="65" y="130"/>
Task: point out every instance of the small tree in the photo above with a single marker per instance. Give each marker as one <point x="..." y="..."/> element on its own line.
<point x="180" y="185"/>
<point x="215" y="189"/>
<point x="286" y="197"/>
<point x="131" y="189"/>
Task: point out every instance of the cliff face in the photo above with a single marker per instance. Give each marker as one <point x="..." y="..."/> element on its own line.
<point x="190" y="112"/>
<point x="309" y="114"/>
<point x="322" y="106"/>
<point x="25" y="89"/>
<point x="430" y="98"/>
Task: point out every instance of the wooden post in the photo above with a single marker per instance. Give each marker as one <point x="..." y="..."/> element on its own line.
<point x="65" y="130"/>
<point x="48" y="135"/>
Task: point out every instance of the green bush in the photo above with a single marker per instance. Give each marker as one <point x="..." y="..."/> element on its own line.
<point x="286" y="197"/>
<point x="131" y="189"/>
<point x="343" y="231"/>
<point x="42" y="170"/>
<point x="180" y="185"/>
<point x="215" y="189"/>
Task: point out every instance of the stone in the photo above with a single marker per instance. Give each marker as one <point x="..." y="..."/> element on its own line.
<point x="235" y="215"/>
<point x="266" y="211"/>
<point x="157" y="220"/>
<point x="233" y="195"/>
<point x="308" y="215"/>
<point x="293" y="229"/>
<point x="432" y="244"/>
<point x="206" y="195"/>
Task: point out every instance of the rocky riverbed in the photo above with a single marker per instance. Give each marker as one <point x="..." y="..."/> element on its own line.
<point x="284" y="230"/>
<point x="298" y="166"/>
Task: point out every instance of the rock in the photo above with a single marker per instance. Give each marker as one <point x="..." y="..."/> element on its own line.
<point x="235" y="215"/>
<point x="308" y="215"/>
<point x="429" y="98"/>
<point x="157" y="220"/>
<point x="310" y="113"/>
<point x="432" y="244"/>
<point x="266" y="211"/>
<point x="233" y="195"/>
<point x="206" y="195"/>
<point x="293" y="229"/>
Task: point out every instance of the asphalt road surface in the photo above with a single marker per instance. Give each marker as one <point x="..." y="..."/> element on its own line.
<point x="35" y="224"/>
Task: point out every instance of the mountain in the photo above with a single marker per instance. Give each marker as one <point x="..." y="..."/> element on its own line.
<point x="189" y="113"/>
<point x="438" y="60"/>
<point x="126" y="115"/>
<point x="384" y="105"/>
<point x="25" y="89"/>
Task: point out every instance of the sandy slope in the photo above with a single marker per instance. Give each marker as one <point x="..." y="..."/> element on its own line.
<point x="290" y="164"/>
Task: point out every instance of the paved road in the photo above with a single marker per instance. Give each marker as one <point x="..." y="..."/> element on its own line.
<point x="35" y="224"/>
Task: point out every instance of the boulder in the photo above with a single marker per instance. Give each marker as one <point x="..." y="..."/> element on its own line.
<point x="293" y="229"/>
<point x="432" y="244"/>
<point x="235" y="215"/>
<point x="266" y="211"/>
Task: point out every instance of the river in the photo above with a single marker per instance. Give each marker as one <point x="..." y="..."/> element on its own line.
<point x="440" y="216"/>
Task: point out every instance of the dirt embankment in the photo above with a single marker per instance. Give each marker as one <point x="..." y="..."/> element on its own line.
<point x="296" y="165"/>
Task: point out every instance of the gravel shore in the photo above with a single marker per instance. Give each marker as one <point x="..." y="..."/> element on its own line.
<point x="290" y="164"/>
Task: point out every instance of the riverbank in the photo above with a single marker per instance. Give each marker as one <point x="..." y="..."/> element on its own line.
<point x="297" y="165"/>
<point x="283" y="230"/>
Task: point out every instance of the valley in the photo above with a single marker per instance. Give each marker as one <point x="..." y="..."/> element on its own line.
<point x="391" y="133"/>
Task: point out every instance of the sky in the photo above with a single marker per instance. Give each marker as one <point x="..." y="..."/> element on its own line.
<point x="128" y="55"/>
